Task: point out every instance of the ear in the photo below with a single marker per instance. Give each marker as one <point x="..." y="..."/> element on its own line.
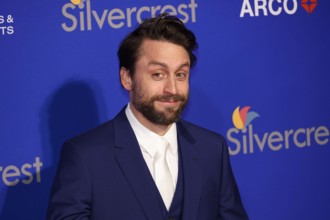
<point x="125" y="79"/>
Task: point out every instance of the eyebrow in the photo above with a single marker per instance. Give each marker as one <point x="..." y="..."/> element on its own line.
<point x="157" y="63"/>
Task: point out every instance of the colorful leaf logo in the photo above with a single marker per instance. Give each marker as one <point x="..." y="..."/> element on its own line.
<point x="242" y="118"/>
<point x="77" y="2"/>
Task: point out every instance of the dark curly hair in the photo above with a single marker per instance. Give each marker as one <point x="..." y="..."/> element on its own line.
<point x="164" y="28"/>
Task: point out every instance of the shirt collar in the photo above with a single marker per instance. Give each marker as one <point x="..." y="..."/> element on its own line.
<point x="148" y="139"/>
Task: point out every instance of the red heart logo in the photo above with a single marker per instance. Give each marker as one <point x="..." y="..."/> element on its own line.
<point x="309" y="5"/>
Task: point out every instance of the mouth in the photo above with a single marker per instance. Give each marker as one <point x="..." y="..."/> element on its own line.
<point x="171" y="101"/>
<point x="170" y="98"/>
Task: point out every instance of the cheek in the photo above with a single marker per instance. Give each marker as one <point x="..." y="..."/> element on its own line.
<point x="183" y="88"/>
<point x="145" y="91"/>
<point x="154" y="89"/>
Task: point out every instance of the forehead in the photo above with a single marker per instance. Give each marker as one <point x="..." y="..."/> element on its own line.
<point x="164" y="52"/>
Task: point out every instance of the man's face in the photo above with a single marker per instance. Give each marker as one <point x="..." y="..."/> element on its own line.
<point x="160" y="84"/>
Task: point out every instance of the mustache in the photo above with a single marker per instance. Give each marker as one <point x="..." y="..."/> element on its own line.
<point x="169" y="97"/>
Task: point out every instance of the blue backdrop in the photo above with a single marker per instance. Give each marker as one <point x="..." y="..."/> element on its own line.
<point x="59" y="77"/>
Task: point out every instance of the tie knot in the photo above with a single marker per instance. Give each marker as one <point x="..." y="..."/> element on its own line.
<point x="162" y="148"/>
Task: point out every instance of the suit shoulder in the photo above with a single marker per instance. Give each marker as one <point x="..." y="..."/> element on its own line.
<point x="210" y="144"/>
<point x="199" y="131"/>
<point x="95" y="135"/>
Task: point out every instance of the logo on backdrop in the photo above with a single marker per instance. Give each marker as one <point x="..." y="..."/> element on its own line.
<point x="81" y="16"/>
<point x="77" y="2"/>
<point x="243" y="117"/>
<point x="13" y="175"/>
<point x="256" y="8"/>
<point x="6" y="25"/>
<point x="243" y="139"/>
<point x="309" y="5"/>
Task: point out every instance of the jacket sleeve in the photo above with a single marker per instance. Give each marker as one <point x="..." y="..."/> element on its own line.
<point x="231" y="207"/>
<point x="71" y="192"/>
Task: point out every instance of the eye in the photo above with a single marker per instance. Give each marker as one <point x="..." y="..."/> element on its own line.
<point x="158" y="76"/>
<point x="181" y="75"/>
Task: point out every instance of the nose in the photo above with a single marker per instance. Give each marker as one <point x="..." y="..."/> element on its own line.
<point x="170" y="85"/>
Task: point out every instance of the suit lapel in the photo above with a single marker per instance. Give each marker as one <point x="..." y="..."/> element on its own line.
<point x="134" y="168"/>
<point x="191" y="173"/>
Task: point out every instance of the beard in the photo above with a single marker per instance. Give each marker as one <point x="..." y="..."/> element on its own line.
<point x="147" y="107"/>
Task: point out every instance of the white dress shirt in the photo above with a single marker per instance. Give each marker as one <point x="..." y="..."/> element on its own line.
<point x="148" y="141"/>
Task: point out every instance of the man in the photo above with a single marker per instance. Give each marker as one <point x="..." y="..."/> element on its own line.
<point x="117" y="172"/>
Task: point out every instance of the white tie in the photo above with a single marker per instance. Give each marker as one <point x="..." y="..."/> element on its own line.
<point x="163" y="177"/>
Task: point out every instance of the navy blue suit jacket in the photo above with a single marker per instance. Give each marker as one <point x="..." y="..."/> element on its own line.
<point x="102" y="176"/>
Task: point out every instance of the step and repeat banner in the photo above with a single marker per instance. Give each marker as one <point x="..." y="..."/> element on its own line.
<point x="262" y="80"/>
